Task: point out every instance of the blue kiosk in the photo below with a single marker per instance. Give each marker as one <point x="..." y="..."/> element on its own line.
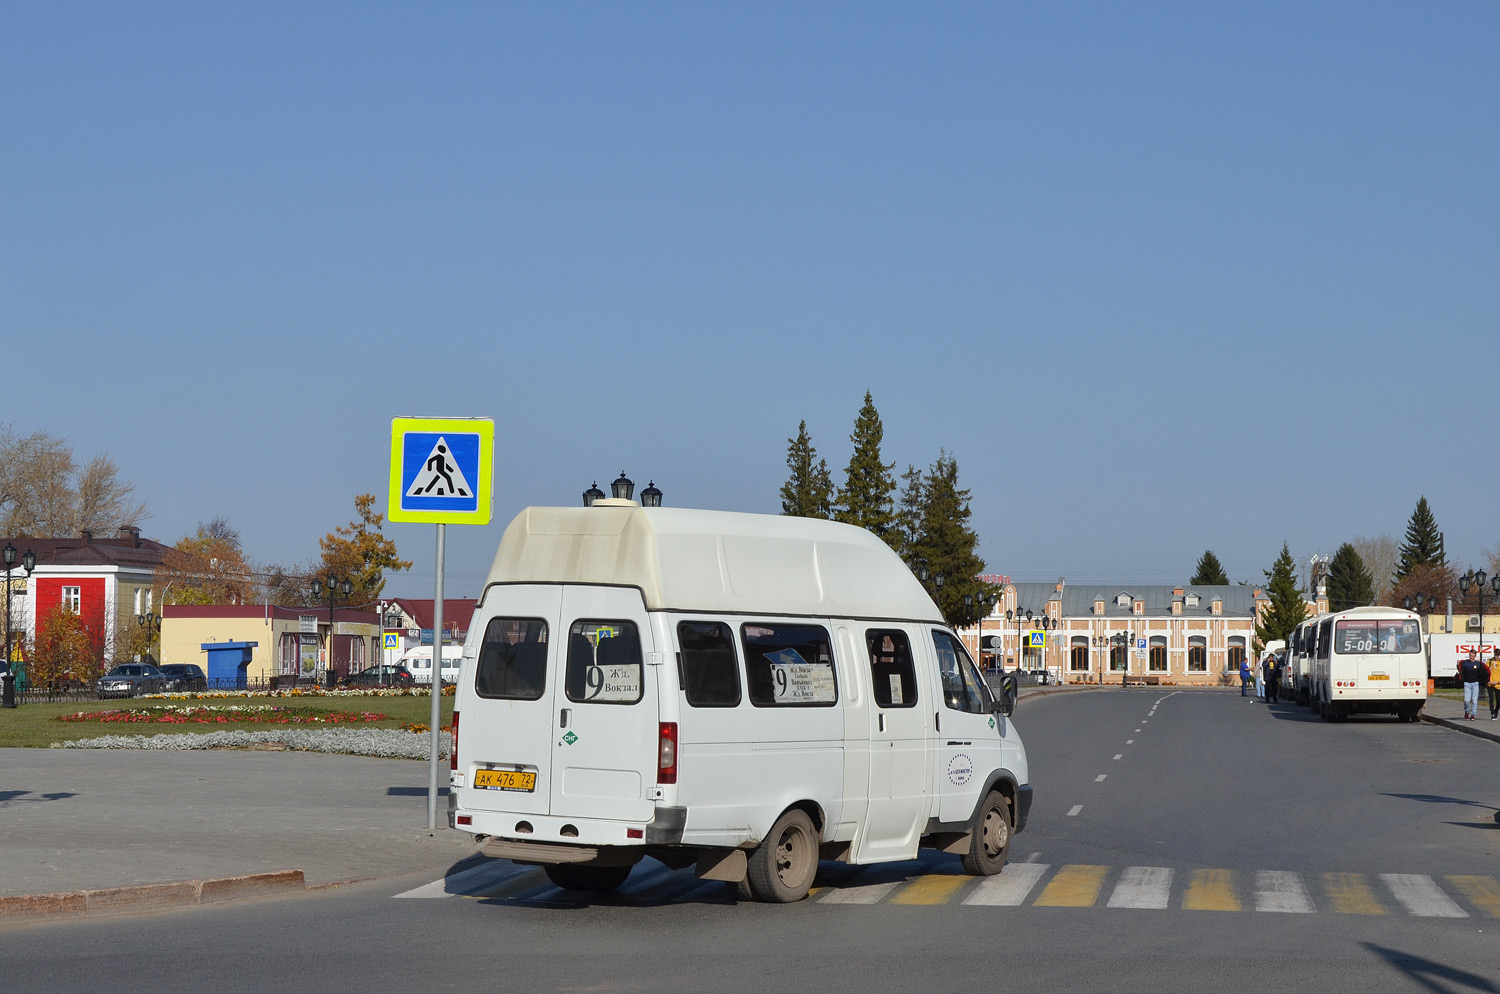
<point x="228" y="664"/>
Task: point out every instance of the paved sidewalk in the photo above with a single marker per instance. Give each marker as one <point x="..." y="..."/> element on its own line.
<point x="1444" y="711"/>
<point x="75" y="820"/>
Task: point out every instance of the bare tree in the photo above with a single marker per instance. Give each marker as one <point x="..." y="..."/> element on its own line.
<point x="1380" y="555"/>
<point x="44" y="493"/>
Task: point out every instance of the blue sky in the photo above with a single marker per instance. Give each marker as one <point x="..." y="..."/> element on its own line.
<point x="1163" y="277"/>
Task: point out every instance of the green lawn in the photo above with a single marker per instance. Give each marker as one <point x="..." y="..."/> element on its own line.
<point x="34" y="725"/>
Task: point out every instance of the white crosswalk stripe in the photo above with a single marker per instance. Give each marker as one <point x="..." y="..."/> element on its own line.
<point x="475" y="880"/>
<point x="1009" y="887"/>
<point x="1142" y="887"/>
<point x="864" y="894"/>
<point x="1421" y="896"/>
<point x="1281" y="890"/>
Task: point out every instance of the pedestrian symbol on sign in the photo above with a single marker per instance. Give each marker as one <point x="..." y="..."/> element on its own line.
<point x="440" y="476"/>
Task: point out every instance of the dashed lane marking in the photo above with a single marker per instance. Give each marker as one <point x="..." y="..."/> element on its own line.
<point x="1073" y="811"/>
<point x="1119" y="754"/>
<point x="1100" y="778"/>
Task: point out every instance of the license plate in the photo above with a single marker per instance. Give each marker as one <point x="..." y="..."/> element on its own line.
<point x="1377" y="676"/>
<point x="505" y="780"/>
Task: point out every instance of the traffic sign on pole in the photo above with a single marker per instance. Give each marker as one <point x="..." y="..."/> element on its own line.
<point x="442" y="470"/>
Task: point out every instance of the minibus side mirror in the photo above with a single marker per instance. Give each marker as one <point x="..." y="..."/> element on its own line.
<point x="1010" y="690"/>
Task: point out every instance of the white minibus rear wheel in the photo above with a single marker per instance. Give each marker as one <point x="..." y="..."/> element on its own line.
<point x="782" y="869"/>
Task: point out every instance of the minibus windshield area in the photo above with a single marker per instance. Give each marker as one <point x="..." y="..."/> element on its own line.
<point x="1356" y="635"/>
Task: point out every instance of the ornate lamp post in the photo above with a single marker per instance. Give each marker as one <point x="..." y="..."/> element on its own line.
<point x="28" y="563"/>
<point x="1415" y="604"/>
<point x="1018" y="615"/>
<point x="152" y="624"/>
<point x="1124" y="639"/>
<point x="1475" y="579"/>
<point x="335" y="587"/>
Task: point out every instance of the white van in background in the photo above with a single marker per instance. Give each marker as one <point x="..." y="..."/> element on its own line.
<point x="419" y="661"/>
<point x="739" y="693"/>
<point x="1446" y="650"/>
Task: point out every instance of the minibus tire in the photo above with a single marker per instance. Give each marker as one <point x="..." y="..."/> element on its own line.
<point x="989" y="843"/>
<point x="782" y="869"/>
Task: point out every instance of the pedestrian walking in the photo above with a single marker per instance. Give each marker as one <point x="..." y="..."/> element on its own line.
<point x="1271" y="673"/>
<point x="1260" y="682"/>
<point x="1244" y="676"/>
<point x="1472" y="672"/>
<point x="1494" y="685"/>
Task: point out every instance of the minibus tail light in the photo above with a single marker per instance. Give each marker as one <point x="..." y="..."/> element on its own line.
<point x="666" y="762"/>
<point x="453" y="752"/>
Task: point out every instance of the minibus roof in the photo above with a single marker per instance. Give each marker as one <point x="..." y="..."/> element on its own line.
<point x="684" y="559"/>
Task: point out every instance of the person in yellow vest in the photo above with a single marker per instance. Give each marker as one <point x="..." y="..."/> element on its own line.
<point x="1494" y="687"/>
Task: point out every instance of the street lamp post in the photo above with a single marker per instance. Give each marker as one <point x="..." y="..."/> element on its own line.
<point x="1018" y="615"/>
<point x="1475" y="579"/>
<point x="8" y="680"/>
<point x="152" y="624"/>
<point x="1415" y="604"/>
<point x="345" y="587"/>
<point x="1124" y="638"/>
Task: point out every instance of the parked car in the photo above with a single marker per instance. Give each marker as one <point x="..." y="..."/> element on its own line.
<point x="131" y="680"/>
<point x="184" y="677"/>
<point x="380" y="675"/>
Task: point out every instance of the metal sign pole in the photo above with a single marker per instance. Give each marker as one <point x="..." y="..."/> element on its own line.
<point x="437" y="684"/>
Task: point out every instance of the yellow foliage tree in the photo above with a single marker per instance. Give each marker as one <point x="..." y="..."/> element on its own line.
<point x="359" y="552"/>
<point x="64" y="651"/>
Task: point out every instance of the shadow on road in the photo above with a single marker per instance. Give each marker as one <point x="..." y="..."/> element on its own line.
<point x="1431" y="974"/>
<point x="8" y="797"/>
<point x="1438" y="799"/>
<point x="413" y="792"/>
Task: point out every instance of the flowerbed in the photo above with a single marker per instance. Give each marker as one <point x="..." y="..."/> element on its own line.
<point x="231" y="714"/>
<point x="212" y="695"/>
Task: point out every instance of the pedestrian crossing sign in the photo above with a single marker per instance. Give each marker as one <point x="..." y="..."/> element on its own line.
<point x="442" y="470"/>
<point x="393" y="640"/>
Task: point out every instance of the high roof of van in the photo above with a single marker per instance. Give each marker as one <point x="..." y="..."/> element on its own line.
<point x="684" y="559"/>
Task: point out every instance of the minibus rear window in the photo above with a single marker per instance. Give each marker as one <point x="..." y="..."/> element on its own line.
<point x="710" y="674"/>
<point x="604" y="663"/>
<point x="892" y="676"/>
<point x="512" y="660"/>
<point x="789" y="665"/>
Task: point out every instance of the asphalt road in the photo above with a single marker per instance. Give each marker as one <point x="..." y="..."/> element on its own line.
<point x="1229" y="847"/>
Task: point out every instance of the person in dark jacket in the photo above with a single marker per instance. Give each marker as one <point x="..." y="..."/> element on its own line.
<point x="1244" y="676"/>
<point x="1472" y="673"/>
<point x="1270" y="671"/>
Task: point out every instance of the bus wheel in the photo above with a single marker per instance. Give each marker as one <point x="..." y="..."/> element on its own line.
<point x="989" y="842"/>
<point x="782" y="869"/>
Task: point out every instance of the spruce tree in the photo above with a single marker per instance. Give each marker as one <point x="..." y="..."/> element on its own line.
<point x="946" y="544"/>
<point x="1424" y="543"/>
<point x="808" y="491"/>
<point x="1209" y="573"/>
<point x="1349" y="582"/>
<point x="1287" y="609"/>
<point x="909" y="511"/>
<point x="867" y="496"/>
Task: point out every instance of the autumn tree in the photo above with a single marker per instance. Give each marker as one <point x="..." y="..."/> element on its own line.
<point x="945" y="544"/>
<point x="1423" y="545"/>
<point x="808" y="491"/>
<point x="44" y="493"/>
<point x="1287" y="609"/>
<point x="867" y="496"/>
<point x="63" y="650"/>
<point x="359" y="552"/>
<point x="1349" y="582"/>
<point x="1209" y="573"/>
<point x="1435" y="582"/>
<point x="207" y="567"/>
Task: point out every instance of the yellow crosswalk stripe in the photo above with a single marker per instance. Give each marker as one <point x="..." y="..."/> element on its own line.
<point x="1482" y="892"/>
<point x="1073" y="886"/>
<point x="1349" y="894"/>
<point x="931" y="889"/>
<point x="1211" y="890"/>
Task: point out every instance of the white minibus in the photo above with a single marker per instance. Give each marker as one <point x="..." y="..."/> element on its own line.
<point x="419" y="661"/>
<point x="1369" y="660"/>
<point x="1299" y="657"/>
<point x="739" y="693"/>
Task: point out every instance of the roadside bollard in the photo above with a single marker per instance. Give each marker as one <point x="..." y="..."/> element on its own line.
<point x="7" y="689"/>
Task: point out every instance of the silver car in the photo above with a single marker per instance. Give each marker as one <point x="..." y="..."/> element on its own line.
<point x="131" y="680"/>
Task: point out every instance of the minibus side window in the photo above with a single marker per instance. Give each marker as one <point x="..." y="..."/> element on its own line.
<point x="961" y="687"/>
<point x="893" y="678"/>
<point x="710" y="673"/>
<point x="604" y="663"/>
<point x="1325" y="638"/>
<point x="788" y="665"/>
<point x="512" y="660"/>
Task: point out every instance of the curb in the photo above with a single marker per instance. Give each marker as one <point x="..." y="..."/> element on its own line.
<point x="149" y="897"/>
<point x="1468" y="728"/>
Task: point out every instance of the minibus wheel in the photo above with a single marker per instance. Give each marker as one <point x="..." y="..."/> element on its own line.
<point x="781" y="870"/>
<point x="989" y="843"/>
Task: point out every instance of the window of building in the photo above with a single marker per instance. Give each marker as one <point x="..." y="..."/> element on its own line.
<point x="709" y="672"/>
<point x="357" y="655"/>
<point x="286" y="662"/>
<point x="72" y="599"/>
<point x="1158" y="657"/>
<point x="1236" y="653"/>
<point x="1123" y="600"/>
<point x="1197" y="661"/>
<point x="1117" y="657"/>
<point x="788" y="665"/>
<point x="1191" y="600"/>
<point x="893" y="678"/>
<point x="1078" y="655"/>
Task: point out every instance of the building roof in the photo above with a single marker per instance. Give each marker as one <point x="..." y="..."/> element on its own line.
<point x="722" y="561"/>
<point x="456" y="611"/>
<point x="1078" y="600"/>
<point x="271" y="611"/>
<point x="128" y="551"/>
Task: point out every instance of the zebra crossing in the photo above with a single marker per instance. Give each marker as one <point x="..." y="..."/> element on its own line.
<point x="1031" y="884"/>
